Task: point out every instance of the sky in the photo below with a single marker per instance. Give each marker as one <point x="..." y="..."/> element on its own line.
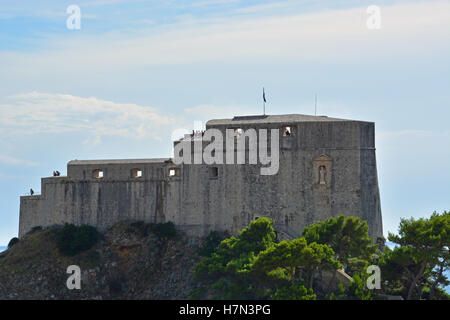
<point x="135" y="71"/>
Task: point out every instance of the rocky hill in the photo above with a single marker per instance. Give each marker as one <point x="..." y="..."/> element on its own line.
<point x="128" y="262"/>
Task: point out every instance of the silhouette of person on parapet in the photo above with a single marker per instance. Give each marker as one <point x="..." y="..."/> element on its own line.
<point x="31" y="191"/>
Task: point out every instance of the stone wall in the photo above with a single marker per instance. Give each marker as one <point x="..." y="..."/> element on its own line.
<point x="196" y="202"/>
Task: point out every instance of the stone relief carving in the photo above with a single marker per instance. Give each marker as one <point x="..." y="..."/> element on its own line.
<point x="322" y="175"/>
<point x="322" y="170"/>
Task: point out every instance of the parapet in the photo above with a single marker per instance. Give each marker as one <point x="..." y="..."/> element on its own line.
<point x="117" y="169"/>
<point x="272" y="119"/>
<point x="306" y="131"/>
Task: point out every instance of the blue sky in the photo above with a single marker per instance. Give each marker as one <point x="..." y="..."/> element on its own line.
<point x="137" y="70"/>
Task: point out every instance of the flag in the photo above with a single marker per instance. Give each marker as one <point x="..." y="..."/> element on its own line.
<point x="264" y="96"/>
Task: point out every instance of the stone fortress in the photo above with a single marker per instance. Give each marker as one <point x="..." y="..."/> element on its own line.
<point x="327" y="167"/>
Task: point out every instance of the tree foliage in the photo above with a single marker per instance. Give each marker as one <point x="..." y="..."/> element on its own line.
<point x="296" y="291"/>
<point x="296" y="256"/>
<point x="254" y="265"/>
<point x="421" y="257"/>
<point x="211" y="244"/>
<point x="347" y="236"/>
<point x="228" y="270"/>
<point x="12" y="242"/>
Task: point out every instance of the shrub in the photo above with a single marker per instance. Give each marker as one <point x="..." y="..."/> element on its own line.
<point x="210" y="245"/>
<point x="72" y="240"/>
<point x="34" y="230"/>
<point x="164" y="230"/>
<point x="138" y="228"/>
<point x="12" y="242"/>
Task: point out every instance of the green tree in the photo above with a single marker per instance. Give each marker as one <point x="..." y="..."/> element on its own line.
<point x="357" y="289"/>
<point x="12" y="242"/>
<point x="347" y="236"/>
<point x="296" y="291"/>
<point x="297" y="256"/>
<point x="287" y="254"/>
<point x="423" y="250"/>
<point x="210" y="244"/>
<point x="441" y="227"/>
<point x="393" y="263"/>
<point x="228" y="270"/>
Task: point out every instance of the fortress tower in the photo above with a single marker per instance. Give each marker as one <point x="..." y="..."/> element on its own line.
<point x="327" y="167"/>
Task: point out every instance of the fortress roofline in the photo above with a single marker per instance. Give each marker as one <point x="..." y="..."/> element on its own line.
<point x="272" y="119"/>
<point x="118" y="161"/>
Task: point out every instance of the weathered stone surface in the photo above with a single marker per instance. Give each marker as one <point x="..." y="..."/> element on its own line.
<point x="294" y="197"/>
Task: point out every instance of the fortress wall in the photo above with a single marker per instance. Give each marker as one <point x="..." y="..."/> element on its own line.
<point x="114" y="171"/>
<point x="29" y="213"/>
<point x="370" y="196"/>
<point x="316" y="135"/>
<point x="345" y="187"/>
<point x="53" y="202"/>
<point x="198" y="203"/>
<point x="118" y="196"/>
<point x="172" y="195"/>
<point x="213" y="203"/>
<point x="97" y="202"/>
<point x="240" y="194"/>
<point x="292" y="197"/>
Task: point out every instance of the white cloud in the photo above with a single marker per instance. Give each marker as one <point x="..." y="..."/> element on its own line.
<point x="339" y="35"/>
<point x="42" y="113"/>
<point x="266" y="6"/>
<point x="15" y="161"/>
<point x="210" y="111"/>
<point x="105" y="2"/>
<point x="206" y="3"/>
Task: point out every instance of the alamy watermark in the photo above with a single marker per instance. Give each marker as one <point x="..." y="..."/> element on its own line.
<point x="374" y="280"/>
<point x="374" y="20"/>
<point x="74" y="281"/>
<point x="73" y="22"/>
<point x="262" y="148"/>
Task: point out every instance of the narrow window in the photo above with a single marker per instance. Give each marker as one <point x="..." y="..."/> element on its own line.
<point x="288" y="131"/>
<point x="213" y="172"/>
<point x="174" y="172"/>
<point x="136" y="173"/>
<point x="98" y="174"/>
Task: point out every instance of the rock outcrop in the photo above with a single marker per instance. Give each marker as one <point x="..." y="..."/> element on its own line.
<point x="126" y="263"/>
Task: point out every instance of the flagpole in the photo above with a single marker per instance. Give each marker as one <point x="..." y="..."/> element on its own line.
<point x="264" y="102"/>
<point x="315" y="105"/>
